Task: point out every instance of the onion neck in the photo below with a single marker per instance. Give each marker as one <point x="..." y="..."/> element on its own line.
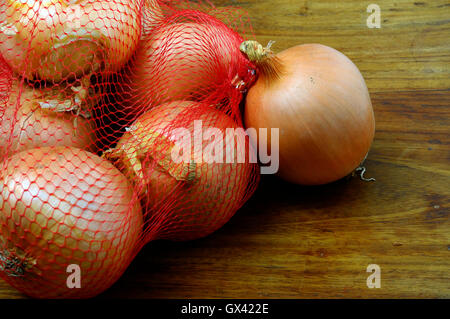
<point x="148" y="145"/>
<point x="268" y="64"/>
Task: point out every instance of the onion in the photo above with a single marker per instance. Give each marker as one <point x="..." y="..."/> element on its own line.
<point x="61" y="39"/>
<point x="318" y="99"/>
<point x="191" y="199"/>
<point x="30" y="118"/>
<point x="64" y="206"/>
<point x="184" y="59"/>
<point x="152" y="14"/>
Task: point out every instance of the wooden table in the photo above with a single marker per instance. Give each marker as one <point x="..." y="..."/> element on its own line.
<point x="314" y="242"/>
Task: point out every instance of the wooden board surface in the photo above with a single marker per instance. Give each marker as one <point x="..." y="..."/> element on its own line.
<point x="315" y="242"/>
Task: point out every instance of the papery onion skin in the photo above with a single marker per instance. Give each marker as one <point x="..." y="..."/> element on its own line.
<point x="187" y="209"/>
<point x="24" y="124"/>
<point x="323" y="110"/>
<point x="64" y="206"/>
<point x="55" y="40"/>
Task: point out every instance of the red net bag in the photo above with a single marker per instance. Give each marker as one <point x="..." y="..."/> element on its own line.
<point x="185" y="148"/>
<point x="120" y="124"/>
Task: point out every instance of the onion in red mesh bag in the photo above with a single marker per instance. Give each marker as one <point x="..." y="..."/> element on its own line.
<point x="64" y="206"/>
<point x="59" y="39"/>
<point x="192" y="197"/>
<point x="33" y="117"/>
<point x="189" y="56"/>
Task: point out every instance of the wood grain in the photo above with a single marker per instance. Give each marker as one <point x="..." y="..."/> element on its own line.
<point x="409" y="52"/>
<point x="314" y="242"/>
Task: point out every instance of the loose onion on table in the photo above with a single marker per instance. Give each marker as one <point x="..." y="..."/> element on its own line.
<point x="29" y="118"/>
<point x="319" y="101"/>
<point x="60" y="39"/>
<point x="64" y="206"/>
<point x="192" y="198"/>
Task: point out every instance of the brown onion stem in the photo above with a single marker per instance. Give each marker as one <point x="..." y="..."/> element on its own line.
<point x="133" y="155"/>
<point x="268" y="64"/>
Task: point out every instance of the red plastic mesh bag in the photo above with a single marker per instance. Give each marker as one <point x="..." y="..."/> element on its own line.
<point x="120" y="124"/>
